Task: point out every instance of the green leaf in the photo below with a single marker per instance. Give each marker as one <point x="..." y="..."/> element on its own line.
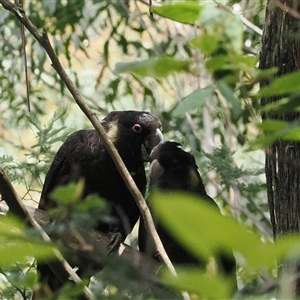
<point x="286" y="84"/>
<point x="68" y="193"/>
<point x="219" y="62"/>
<point x="193" y="101"/>
<point x="15" y="246"/>
<point x="213" y="286"/>
<point x="13" y="251"/>
<point x="21" y="279"/>
<point x="205" y="232"/>
<point x="90" y="211"/>
<point x="265" y="74"/>
<point x="273" y="130"/>
<point x="272" y="126"/>
<point x="269" y="132"/>
<point x="183" y="12"/>
<point x="205" y="43"/>
<point x="223" y="25"/>
<point x="154" y="67"/>
<point x="231" y="62"/>
<point x="228" y="94"/>
<point x="284" y="105"/>
<point x="234" y="31"/>
<point x="292" y="135"/>
<point x="11" y="227"/>
<point x="287" y="246"/>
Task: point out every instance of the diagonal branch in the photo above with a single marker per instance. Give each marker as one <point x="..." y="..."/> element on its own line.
<point x="45" y="43"/>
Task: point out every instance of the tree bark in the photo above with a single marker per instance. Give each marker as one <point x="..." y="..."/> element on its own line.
<point x="280" y="49"/>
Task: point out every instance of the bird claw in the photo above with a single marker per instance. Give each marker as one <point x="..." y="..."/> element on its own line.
<point x="116" y="238"/>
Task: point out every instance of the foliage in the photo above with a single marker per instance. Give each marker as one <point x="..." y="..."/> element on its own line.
<point x="20" y="276"/>
<point x="205" y="232"/>
<point x="70" y="206"/>
<point x="14" y="239"/>
<point x="19" y="245"/>
<point x="194" y="64"/>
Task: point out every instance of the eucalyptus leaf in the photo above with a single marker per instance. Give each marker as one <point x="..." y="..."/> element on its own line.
<point x="183" y="12"/>
<point x="285" y="84"/>
<point x="272" y="126"/>
<point x="284" y="105"/>
<point x="205" y="43"/>
<point x="154" y="67"/>
<point x="228" y="94"/>
<point x="68" y="193"/>
<point x="193" y="101"/>
<point x="15" y="251"/>
<point x="273" y="130"/>
<point x="292" y="135"/>
<point x="205" y="232"/>
<point x="15" y="246"/>
<point x="204" y="284"/>
<point x="231" y="62"/>
<point x="281" y="130"/>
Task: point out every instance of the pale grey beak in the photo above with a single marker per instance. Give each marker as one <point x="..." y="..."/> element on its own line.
<point x="151" y="141"/>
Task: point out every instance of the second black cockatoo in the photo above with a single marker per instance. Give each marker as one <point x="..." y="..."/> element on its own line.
<point x="83" y="155"/>
<point x="173" y="169"/>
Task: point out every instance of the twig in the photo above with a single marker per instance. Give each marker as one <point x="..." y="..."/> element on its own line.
<point x="45" y="43"/>
<point x="20" y="4"/>
<point x="150" y="8"/>
<point x="286" y="9"/>
<point x="252" y="26"/>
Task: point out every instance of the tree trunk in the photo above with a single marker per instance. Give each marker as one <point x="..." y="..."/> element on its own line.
<point x="280" y="48"/>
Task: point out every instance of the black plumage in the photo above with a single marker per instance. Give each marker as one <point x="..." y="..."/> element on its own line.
<point x="82" y="155"/>
<point x="173" y="169"/>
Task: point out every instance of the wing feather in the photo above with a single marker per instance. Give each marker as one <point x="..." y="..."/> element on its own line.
<point x="68" y="163"/>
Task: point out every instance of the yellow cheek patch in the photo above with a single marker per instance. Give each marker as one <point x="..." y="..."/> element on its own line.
<point x="112" y="132"/>
<point x="193" y="177"/>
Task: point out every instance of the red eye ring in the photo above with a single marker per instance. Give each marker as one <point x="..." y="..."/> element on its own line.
<point x="137" y="128"/>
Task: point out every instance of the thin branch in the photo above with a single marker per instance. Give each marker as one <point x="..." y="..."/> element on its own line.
<point x="252" y="26"/>
<point x="286" y="9"/>
<point x="45" y="43"/>
<point x="150" y="9"/>
<point x="20" y="4"/>
<point x="12" y="199"/>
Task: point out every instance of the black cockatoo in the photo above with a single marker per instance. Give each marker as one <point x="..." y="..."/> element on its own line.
<point x="82" y="155"/>
<point x="173" y="169"/>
